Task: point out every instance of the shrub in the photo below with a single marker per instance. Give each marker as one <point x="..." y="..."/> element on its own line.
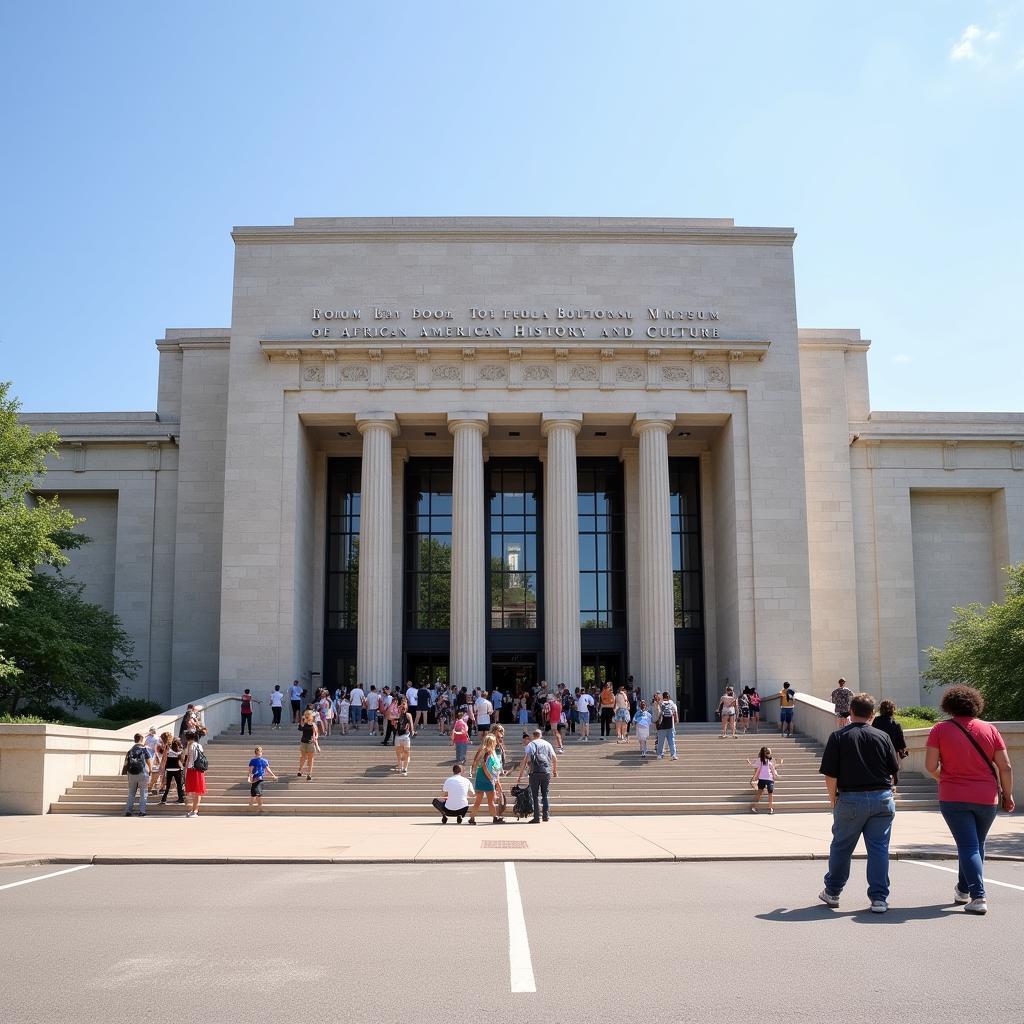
<point x="6" y="719"/>
<point x="917" y="711"/>
<point x="130" y="709"/>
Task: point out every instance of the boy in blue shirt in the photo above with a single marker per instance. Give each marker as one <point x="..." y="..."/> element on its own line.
<point x="259" y="767"/>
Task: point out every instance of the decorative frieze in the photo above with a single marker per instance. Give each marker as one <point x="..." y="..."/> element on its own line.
<point x="399" y="373"/>
<point x="446" y="373"/>
<point x="352" y="373"/>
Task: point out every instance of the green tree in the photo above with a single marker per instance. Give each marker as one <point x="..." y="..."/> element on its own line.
<point x="63" y="649"/>
<point x="32" y="532"/>
<point x="985" y="648"/>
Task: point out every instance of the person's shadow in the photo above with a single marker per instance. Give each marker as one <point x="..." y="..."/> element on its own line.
<point x="895" y="915"/>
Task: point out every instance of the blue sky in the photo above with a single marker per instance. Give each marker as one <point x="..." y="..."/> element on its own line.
<point x="135" y="135"/>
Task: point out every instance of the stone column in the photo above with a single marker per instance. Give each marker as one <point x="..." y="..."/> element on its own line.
<point x="561" y="551"/>
<point x="469" y="590"/>
<point x="657" y="614"/>
<point x="373" y="636"/>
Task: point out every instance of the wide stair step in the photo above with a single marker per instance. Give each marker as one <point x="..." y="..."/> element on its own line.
<point x="352" y="776"/>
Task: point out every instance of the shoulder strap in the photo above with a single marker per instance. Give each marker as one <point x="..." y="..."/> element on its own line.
<point x="977" y="747"/>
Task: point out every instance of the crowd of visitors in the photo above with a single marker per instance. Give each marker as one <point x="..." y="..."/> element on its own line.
<point x="966" y="756"/>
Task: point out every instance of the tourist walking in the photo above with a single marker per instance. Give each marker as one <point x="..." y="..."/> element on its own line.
<point x="487" y="780"/>
<point x="787" y="704"/>
<point x="886" y="721"/>
<point x="163" y="744"/>
<point x="841" y="697"/>
<point x="422" y="706"/>
<point x="173" y="771"/>
<point x="460" y="737"/>
<point x="391" y="713"/>
<point x="195" y="773"/>
<point x="137" y="767"/>
<point x="584" y="706"/>
<point x="728" y="710"/>
<point x="755" y="708"/>
<point x="860" y="766"/>
<point x="259" y="767"/>
<point x="744" y="700"/>
<point x="246" y="708"/>
<point x="555" y="717"/>
<point x="483" y="709"/>
<point x="967" y="757"/>
<point x="667" y="716"/>
<point x="443" y="712"/>
<point x="276" y="701"/>
<point x="372" y="707"/>
<point x="455" y="793"/>
<point x="642" y="720"/>
<point x="541" y="763"/>
<point x="295" y="692"/>
<point x="309" y="744"/>
<point x="523" y="713"/>
<point x="621" y="715"/>
<point x="356" y="701"/>
<point x="607" y="702"/>
<point x="763" y="779"/>
<point x="404" y="732"/>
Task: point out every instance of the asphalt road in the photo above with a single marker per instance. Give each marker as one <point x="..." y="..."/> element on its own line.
<point x="607" y="944"/>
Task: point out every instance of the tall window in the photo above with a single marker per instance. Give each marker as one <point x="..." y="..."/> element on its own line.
<point x="687" y="577"/>
<point x="428" y="535"/>
<point x="602" y="544"/>
<point x="343" y="543"/>
<point x="512" y="513"/>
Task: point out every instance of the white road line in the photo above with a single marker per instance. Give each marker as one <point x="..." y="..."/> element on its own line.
<point x="954" y="871"/>
<point x="39" y="878"/>
<point x="519" y="962"/>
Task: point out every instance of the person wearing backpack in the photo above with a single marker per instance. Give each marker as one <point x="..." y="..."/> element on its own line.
<point x="542" y="763"/>
<point x="136" y="767"/>
<point x="195" y="773"/>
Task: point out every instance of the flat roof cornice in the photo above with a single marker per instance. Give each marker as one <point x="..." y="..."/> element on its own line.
<point x="718" y="231"/>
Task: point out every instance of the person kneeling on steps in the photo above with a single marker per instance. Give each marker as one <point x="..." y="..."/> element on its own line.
<point x="457" y="791"/>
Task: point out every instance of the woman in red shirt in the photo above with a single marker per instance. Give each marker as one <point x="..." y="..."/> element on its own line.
<point x="968" y="759"/>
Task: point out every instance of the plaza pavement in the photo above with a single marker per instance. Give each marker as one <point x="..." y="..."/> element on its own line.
<point x="261" y="839"/>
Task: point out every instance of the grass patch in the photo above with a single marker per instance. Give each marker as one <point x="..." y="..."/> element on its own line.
<point x="910" y="722"/>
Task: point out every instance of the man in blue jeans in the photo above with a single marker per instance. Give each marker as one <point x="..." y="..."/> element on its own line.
<point x="861" y="769"/>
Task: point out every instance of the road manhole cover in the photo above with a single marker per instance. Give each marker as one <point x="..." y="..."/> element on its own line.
<point x="503" y="844"/>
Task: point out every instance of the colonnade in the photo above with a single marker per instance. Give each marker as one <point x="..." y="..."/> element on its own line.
<point x="561" y="552"/>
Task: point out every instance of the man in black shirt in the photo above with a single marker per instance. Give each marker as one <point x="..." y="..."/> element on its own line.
<point x="860" y="767"/>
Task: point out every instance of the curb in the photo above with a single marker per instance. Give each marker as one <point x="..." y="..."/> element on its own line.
<point x="101" y="859"/>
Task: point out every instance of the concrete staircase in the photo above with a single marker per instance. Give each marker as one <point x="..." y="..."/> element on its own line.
<point x="353" y="776"/>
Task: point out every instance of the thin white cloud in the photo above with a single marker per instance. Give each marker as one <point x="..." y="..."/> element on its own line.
<point x="975" y="43"/>
<point x="902" y="359"/>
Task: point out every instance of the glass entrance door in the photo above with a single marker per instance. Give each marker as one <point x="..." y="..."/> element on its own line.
<point x="691" y="698"/>
<point x="513" y="674"/>
<point x="427" y="669"/>
<point x="600" y="668"/>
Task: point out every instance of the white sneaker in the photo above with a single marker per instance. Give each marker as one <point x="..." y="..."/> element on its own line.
<point x="828" y="899"/>
<point x="978" y="906"/>
<point x="960" y="897"/>
<point x="879" y="906"/>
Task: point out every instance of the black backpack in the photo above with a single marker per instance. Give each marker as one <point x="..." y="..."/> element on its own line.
<point x="136" y="760"/>
<point x="200" y="762"/>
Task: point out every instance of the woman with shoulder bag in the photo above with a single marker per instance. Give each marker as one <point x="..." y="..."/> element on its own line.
<point x="195" y="773"/>
<point x="968" y="759"/>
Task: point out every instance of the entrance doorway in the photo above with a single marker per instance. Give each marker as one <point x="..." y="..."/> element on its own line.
<point x="691" y="697"/>
<point x="513" y="673"/>
<point x="427" y="669"/>
<point x="339" y="672"/>
<point x="602" y="667"/>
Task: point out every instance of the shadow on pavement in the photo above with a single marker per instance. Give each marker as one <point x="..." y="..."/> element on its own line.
<point x="819" y="912"/>
<point x="995" y="846"/>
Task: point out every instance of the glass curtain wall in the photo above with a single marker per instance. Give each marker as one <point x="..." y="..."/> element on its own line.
<point x="602" y="528"/>
<point x="428" y="544"/>
<point x="513" y="562"/>
<point x="341" y="593"/>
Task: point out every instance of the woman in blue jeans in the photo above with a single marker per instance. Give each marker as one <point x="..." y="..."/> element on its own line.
<point x="968" y="759"/>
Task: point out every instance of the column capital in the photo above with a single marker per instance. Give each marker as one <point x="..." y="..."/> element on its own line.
<point x="665" y="422"/>
<point x="369" y="420"/>
<point x="467" y="420"/>
<point x="550" y="420"/>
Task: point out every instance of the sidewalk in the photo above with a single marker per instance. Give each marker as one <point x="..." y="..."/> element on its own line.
<point x="70" y="838"/>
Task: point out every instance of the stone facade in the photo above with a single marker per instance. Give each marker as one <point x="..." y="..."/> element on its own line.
<point x="834" y="540"/>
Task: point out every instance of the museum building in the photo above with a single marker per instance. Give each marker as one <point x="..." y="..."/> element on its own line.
<point x="499" y="450"/>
